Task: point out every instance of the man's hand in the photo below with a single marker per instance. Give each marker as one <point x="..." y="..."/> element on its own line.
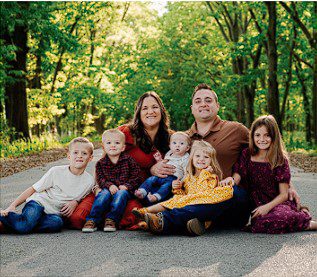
<point x="68" y="209"/>
<point x="229" y="181"/>
<point x="123" y="187"/>
<point x="113" y="189"/>
<point x="177" y="184"/>
<point x="162" y="170"/>
<point x="7" y="210"/>
<point x="261" y="210"/>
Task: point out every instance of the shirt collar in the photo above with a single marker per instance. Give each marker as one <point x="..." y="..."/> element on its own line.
<point x="214" y="128"/>
<point x="123" y="156"/>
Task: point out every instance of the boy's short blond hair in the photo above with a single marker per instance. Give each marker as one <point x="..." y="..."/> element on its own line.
<point x="113" y="132"/>
<point x="183" y="134"/>
<point x="82" y="140"/>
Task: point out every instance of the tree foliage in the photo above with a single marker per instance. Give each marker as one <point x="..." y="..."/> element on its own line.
<point x="88" y="62"/>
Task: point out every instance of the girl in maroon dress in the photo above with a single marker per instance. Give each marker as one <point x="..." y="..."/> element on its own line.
<point x="264" y="168"/>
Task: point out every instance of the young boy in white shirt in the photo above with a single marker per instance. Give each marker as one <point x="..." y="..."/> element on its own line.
<point x="55" y="195"/>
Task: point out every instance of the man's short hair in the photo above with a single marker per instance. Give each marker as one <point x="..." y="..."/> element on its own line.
<point x="81" y="140"/>
<point x="204" y="86"/>
<point x="112" y="132"/>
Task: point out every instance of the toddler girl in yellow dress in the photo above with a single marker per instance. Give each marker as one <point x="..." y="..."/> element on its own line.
<point x="200" y="186"/>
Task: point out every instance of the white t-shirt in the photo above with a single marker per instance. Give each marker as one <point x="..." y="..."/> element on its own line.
<point x="179" y="162"/>
<point x="58" y="186"/>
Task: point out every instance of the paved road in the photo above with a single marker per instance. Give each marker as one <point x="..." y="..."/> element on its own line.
<point x="126" y="253"/>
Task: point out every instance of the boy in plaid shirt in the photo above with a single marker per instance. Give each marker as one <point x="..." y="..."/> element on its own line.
<point x="117" y="176"/>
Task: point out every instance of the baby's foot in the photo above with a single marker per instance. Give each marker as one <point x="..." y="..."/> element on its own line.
<point x="138" y="194"/>
<point x="152" y="198"/>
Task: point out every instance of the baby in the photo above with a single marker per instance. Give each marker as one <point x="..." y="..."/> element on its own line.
<point x="158" y="189"/>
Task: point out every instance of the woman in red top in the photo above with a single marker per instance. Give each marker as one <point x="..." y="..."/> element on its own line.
<point x="146" y="136"/>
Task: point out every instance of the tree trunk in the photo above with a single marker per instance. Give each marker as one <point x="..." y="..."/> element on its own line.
<point x="15" y="92"/>
<point x="314" y="102"/>
<point x="305" y="102"/>
<point x="273" y="93"/>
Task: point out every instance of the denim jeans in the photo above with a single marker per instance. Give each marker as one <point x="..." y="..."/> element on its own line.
<point x="32" y="219"/>
<point x="114" y="205"/>
<point x="175" y="220"/>
<point x="159" y="187"/>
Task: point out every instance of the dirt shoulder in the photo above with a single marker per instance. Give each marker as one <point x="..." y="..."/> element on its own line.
<point x="14" y="165"/>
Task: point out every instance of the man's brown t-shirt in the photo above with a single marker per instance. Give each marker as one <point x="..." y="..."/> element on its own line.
<point x="229" y="138"/>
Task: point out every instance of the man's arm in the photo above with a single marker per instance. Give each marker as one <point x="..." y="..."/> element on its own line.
<point x="17" y="202"/>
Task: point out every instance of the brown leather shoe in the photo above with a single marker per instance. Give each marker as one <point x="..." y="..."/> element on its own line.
<point x="140" y="213"/>
<point x="89" y="227"/>
<point x="154" y="222"/>
<point x="110" y="225"/>
<point x="195" y="227"/>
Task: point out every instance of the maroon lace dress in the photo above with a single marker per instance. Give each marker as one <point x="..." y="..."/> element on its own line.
<point x="263" y="185"/>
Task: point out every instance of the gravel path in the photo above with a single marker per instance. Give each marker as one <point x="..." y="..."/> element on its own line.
<point x="124" y="253"/>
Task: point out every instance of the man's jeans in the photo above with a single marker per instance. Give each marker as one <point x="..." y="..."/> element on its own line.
<point x="105" y="202"/>
<point x="32" y="219"/>
<point x="159" y="187"/>
<point x="175" y="220"/>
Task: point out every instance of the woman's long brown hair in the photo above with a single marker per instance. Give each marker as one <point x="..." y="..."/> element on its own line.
<point x="142" y="139"/>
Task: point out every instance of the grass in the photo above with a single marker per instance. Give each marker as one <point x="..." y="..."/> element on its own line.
<point x="294" y="141"/>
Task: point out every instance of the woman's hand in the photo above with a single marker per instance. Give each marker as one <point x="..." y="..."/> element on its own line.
<point x="123" y="187"/>
<point x="261" y="210"/>
<point x="162" y="169"/>
<point x="68" y="209"/>
<point x="177" y="184"/>
<point x="7" y="210"/>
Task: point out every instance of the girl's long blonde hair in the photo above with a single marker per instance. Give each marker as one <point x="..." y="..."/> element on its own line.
<point x="210" y="151"/>
<point x="277" y="154"/>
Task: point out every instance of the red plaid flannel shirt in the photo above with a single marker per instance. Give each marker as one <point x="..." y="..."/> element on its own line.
<point x="125" y="172"/>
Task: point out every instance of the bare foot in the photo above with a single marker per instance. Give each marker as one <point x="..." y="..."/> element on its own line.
<point x="152" y="198"/>
<point x="138" y="194"/>
<point x="312" y="225"/>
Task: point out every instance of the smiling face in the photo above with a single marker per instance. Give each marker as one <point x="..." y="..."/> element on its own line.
<point x="113" y="144"/>
<point x="150" y="113"/>
<point x="179" y="145"/>
<point x="79" y="155"/>
<point x="262" y="138"/>
<point x="204" y="106"/>
<point x="201" y="159"/>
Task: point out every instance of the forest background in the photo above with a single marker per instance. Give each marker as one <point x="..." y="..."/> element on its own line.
<point x="77" y="68"/>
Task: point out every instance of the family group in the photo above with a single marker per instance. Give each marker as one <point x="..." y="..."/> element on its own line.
<point x="218" y="173"/>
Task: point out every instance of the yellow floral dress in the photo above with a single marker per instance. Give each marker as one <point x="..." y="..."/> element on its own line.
<point x="199" y="190"/>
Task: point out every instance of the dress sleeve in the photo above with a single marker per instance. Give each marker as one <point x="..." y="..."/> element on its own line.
<point x="206" y="176"/>
<point x="241" y="165"/>
<point x="283" y="173"/>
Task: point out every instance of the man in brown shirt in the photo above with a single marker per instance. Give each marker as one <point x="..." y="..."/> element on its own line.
<point x="227" y="137"/>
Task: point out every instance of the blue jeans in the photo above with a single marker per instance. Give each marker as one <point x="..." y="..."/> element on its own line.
<point x="159" y="187"/>
<point x="114" y="204"/>
<point x="32" y="219"/>
<point x="175" y="220"/>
